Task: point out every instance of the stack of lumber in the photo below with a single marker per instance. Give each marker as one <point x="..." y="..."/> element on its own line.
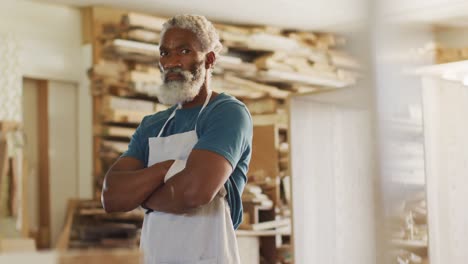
<point x="409" y="229"/>
<point x="439" y="53"/>
<point x="128" y="110"/>
<point x="118" y="78"/>
<point x="91" y="227"/>
<point x="262" y="66"/>
<point x="445" y="55"/>
<point x="253" y="194"/>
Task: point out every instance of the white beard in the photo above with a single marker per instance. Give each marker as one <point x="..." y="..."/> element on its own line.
<point x="181" y="91"/>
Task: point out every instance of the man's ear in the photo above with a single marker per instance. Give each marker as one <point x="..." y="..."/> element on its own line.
<point x="210" y="59"/>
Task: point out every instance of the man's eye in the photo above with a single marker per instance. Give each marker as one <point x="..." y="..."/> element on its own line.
<point x="185" y="51"/>
<point x="163" y="53"/>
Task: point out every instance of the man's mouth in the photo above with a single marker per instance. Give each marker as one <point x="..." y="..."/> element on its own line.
<point x="174" y="76"/>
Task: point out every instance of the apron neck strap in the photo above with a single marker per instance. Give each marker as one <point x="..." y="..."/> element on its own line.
<point x="179" y="106"/>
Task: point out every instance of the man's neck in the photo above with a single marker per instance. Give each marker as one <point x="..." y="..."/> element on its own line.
<point x="199" y="99"/>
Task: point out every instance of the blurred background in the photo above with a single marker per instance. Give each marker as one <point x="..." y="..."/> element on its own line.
<point x="360" y="152"/>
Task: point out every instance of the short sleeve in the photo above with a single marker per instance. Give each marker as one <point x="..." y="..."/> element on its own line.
<point x="227" y="131"/>
<point x="136" y="147"/>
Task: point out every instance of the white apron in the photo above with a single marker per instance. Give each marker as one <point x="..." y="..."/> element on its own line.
<point x="205" y="236"/>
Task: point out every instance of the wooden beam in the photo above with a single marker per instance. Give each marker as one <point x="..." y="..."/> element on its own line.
<point x="24" y="199"/>
<point x="64" y="237"/>
<point x="3" y="170"/>
<point x="44" y="185"/>
<point x="137" y="20"/>
<point x="116" y="256"/>
<point x="86" y="25"/>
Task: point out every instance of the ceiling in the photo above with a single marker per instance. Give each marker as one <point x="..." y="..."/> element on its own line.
<point x="317" y="15"/>
<point x="450" y="13"/>
<point x="294" y="14"/>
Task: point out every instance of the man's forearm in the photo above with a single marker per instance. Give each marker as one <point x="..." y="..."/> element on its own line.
<point x="177" y="196"/>
<point x="125" y="190"/>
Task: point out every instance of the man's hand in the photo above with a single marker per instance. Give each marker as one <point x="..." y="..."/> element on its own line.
<point x="127" y="183"/>
<point x="196" y="185"/>
<point x="165" y="165"/>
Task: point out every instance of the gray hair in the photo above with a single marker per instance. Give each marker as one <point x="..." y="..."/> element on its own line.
<point x="203" y="29"/>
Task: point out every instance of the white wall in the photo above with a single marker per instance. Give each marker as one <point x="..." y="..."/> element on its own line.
<point x="63" y="154"/>
<point x="49" y="38"/>
<point x="424" y="11"/>
<point x="333" y="181"/>
<point x="452" y="37"/>
<point x="446" y="151"/>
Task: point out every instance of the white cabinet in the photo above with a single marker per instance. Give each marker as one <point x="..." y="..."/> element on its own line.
<point x="332" y="180"/>
<point x="445" y="109"/>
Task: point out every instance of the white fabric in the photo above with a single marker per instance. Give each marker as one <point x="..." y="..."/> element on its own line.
<point x="204" y="236"/>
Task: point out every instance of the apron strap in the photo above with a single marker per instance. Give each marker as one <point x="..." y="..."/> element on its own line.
<point x="207" y="100"/>
<point x="167" y="121"/>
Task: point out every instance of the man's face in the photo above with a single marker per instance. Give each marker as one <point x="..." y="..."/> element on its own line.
<point x="182" y="65"/>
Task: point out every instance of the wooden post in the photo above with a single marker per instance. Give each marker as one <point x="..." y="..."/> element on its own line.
<point x="3" y="169"/>
<point x="44" y="186"/>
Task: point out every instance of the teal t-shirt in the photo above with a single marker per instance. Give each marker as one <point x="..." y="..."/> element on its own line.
<point x="224" y="127"/>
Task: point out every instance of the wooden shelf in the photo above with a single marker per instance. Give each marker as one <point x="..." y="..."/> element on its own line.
<point x="409" y="244"/>
<point x="263" y="233"/>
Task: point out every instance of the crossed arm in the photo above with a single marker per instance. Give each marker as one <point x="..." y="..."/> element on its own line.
<point x="128" y="184"/>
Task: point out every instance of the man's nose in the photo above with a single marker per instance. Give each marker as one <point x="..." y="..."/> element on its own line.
<point x="170" y="62"/>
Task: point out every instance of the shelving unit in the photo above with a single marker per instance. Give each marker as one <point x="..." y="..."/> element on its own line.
<point x="260" y="65"/>
<point x="403" y="168"/>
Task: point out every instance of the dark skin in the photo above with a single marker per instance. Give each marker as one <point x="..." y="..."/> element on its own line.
<point x="129" y="184"/>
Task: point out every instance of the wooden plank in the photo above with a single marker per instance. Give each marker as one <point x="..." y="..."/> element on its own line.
<point x="235" y="64"/>
<point x="264" y="162"/>
<point x="145" y="77"/>
<point x="137" y="20"/>
<point x="116" y="131"/>
<point x="3" y="177"/>
<point x="86" y="25"/>
<point x="117" y="256"/>
<point x="110" y="102"/>
<point x="107" y="68"/>
<point x="263" y="233"/>
<point x="29" y="257"/>
<point x="13" y="204"/>
<point x="119" y="147"/>
<point x="279" y="119"/>
<point x="220" y="85"/>
<point x="131" y="50"/>
<point x="64" y="237"/>
<point x="25" y="199"/>
<point x="271" y="90"/>
<point x="261" y="106"/>
<point x="309" y="79"/>
<point x="143" y="35"/>
<point x="17" y="245"/>
<point x="271" y="224"/>
<point x="43" y="166"/>
<point x="271" y="42"/>
<point x="6" y="126"/>
<point x="343" y="60"/>
<point x="124" y="116"/>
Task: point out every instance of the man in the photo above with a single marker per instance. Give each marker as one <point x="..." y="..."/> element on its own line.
<point x="187" y="165"/>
